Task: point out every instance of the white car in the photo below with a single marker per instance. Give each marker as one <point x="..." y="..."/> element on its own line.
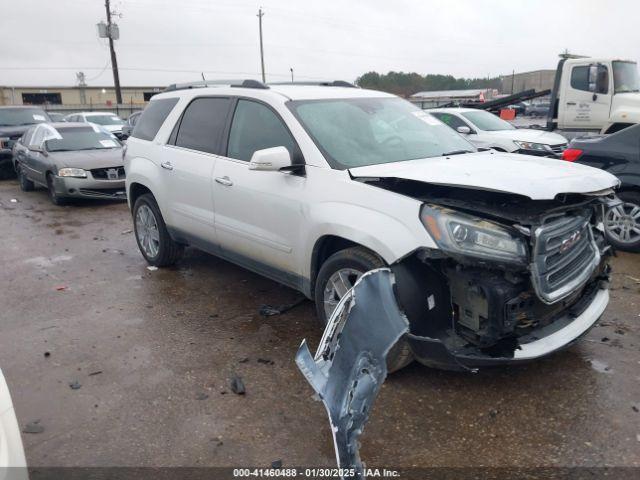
<point x="107" y="120"/>
<point x="12" y="459"/>
<point x="486" y="130"/>
<point x="497" y="258"/>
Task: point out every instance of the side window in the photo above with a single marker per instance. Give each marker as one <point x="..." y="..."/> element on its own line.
<point x="580" y="78"/>
<point x="256" y="127"/>
<point x="202" y="124"/>
<point x="450" y="120"/>
<point x="153" y="117"/>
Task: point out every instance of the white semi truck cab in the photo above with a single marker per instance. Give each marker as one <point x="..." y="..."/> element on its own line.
<point x="594" y="94"/>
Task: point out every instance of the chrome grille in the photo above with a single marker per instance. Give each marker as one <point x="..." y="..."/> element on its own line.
<point x="558" y="149"/>
<point x="564" y="257"/>
<point x="114" y="173"/>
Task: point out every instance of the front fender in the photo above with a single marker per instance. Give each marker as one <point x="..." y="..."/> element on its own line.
<point x="143" y="171"/>
<point x="391" y="237"/>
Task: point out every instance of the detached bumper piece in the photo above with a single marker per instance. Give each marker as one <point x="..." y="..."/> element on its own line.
<point x="350" y="364"/>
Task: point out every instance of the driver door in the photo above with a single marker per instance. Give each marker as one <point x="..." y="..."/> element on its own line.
<point x="588" y="100"/>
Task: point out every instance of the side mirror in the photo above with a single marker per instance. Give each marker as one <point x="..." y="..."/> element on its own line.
<point x="463" y="129"/>
<point x="126" y="131"/>
<point x="38" y="149"/>
<point x="270" y="159"/>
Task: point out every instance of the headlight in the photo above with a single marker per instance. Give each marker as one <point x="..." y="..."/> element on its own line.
<point x="4" y="142"/>
<point x="538" y="147"/>
<point x="72" y="172"/>
<point x="467" y="235"/>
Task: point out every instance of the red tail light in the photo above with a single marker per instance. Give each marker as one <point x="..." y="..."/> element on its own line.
<point x="571" y="154"/>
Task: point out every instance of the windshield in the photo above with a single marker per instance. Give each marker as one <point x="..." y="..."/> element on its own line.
<point x="354" y="132"/>
<point x="625" y="77"/>
<point x="487" y="121"/>
<point x="70" y="139"/>
<point x="105" y="119"/>
<point x="11" y="117"/>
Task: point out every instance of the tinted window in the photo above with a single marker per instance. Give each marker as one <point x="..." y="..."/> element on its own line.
<point x="153" y="117"/>
<point x="256" y="127"/>
<point x="448" y="119"/>
<point x="202" y="124"/>
<point x="580" y="78"/>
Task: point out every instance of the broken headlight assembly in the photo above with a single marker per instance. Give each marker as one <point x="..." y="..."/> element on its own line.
<point x="72" y="172"/>
<point x="458" y="233"/>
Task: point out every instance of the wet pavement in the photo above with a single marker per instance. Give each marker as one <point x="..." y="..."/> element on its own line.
<point x="152" y="353"/>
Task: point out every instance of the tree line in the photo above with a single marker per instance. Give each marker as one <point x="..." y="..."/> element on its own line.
<point x="406" y="84"/>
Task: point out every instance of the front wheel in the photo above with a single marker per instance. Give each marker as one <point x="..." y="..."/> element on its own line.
<point x="622" y="223"/>
<point x="53" y="195"/>
<point x="154" y="241"/>
<point x="336" y="277"/>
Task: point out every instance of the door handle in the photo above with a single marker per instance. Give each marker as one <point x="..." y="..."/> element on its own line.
<point x="166" y="165"/>
<point x="571" y="103"/>
<point x="224" y="181"/>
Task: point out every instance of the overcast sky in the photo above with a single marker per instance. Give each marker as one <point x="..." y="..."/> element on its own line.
<point x="44" y="42"/>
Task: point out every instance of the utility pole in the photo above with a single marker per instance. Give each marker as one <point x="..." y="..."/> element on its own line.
<point x="291" y="74"/>
<point x="260" y="15"/>
<point x="114" y="60"/>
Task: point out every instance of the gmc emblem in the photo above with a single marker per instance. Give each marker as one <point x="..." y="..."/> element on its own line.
<point x="570" y="241"/>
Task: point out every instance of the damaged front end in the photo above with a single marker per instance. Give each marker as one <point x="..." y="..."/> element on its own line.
<point x="513" y="279"/>
<point x="350" y="364"/>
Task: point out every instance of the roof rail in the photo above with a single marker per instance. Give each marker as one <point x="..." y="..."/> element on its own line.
<point x="329" y="83"/>
<point x="247" y="83"/>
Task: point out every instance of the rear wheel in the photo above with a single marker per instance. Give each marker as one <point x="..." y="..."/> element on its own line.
<point x="53" y="195"/>
<point x="154" y="241"/>
<point x="336" y="277"/>
<point x="26" y="185"/>
<point x="622" y="223"/>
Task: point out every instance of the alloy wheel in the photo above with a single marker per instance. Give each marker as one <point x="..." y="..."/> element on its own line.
<point x="147" y="231"/>
<point x="337" y="286"/>
<point x="623" y="223"/>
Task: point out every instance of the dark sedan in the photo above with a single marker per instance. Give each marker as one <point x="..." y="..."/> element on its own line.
<point x="14" y="121"/>
<point x="72" y="160"/>
<point x="619" y="154"/>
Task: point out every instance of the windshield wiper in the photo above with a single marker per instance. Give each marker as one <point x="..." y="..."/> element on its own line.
<point x="456" y="152"/>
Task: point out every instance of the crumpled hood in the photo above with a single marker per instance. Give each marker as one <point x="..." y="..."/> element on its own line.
<point x="534" y="177"/>
<point x="530" y="135"/>
<point x="88" y="159"/>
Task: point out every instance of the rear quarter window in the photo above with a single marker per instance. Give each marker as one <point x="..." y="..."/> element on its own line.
<point x="153" y="117"/>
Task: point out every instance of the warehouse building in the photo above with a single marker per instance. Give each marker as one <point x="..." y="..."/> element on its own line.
<point x="61" y="97"/>
<point x="538" y="80"/>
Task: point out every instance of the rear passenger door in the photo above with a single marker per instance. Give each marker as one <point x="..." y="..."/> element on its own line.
<point x="259" y="214"/>
<point x="187" y="163"/>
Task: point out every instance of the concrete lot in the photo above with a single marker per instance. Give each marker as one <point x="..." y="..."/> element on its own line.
<point x="166" y="342"/>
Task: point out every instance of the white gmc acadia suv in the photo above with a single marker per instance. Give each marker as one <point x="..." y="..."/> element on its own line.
<point x="497" y="257"/>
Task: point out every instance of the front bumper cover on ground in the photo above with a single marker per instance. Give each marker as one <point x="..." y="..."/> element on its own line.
<point x="350" y="364"/>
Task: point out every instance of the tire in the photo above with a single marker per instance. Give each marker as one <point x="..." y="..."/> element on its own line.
<point x="53" y="196"/>
<point x="158" y="249"/>
<point x="353" y="262"/>
<point x="622" y="224"/>
<point x="26" y="185"/>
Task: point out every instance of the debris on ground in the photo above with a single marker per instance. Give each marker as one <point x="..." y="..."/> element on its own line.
<point x="151" y="268"/>
<point x="126" y="232"/>
<point x="269" y="310"/>
<point x="33" y="427"/>
<point x="60" y="288"/>
<point x="47" y="354"/>
<point x="237" y="385"/>
<point x="75" y="385"/>
<point x="202" y="396"/>
<point x="276" y="464"/>
<point x="14" y="200"/>
<point x="244" y="360"/>
<point x="635" y="409"/>
<point x="349" y="366"/>
<point x="98" y="372"/>
<point x="266" y="361"/>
